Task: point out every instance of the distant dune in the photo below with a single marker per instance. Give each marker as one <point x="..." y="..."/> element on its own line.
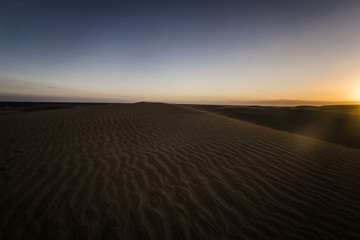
<point x="158" y="171"/>
<point x="338" y="124"/>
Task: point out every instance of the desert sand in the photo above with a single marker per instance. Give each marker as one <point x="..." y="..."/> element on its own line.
<point x="159" y="171"/>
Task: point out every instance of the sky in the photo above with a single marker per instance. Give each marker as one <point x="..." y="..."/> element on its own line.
<point x="213" y="51"/>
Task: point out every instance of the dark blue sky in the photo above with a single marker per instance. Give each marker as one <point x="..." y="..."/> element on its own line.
<point x="168" y="50"/>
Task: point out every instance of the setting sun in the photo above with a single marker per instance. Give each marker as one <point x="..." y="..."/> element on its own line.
<point x="357" y="93"/>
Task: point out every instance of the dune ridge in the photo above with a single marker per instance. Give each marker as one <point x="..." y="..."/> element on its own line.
<point x="159" y="171"/>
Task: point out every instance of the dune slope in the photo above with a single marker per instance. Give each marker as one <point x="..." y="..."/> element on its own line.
<point x="141" y="171"/>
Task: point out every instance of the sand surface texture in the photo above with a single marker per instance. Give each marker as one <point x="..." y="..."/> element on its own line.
<point x="157" y="171"/>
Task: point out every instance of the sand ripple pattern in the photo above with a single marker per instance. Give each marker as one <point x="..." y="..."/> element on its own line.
<point x="157" y="171"/>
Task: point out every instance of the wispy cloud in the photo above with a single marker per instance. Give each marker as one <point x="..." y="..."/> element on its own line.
<point x="21" y="4"/>
<point x="12" y="89"/>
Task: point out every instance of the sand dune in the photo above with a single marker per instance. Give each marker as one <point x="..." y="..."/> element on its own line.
<point x="338" y="124"/>
<point x="157" y="171"/>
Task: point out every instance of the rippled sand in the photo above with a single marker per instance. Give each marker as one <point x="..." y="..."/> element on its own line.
<point x="141" y="171"/>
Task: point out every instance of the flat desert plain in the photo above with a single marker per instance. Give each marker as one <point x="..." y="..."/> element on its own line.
<point x="159" y="171"/>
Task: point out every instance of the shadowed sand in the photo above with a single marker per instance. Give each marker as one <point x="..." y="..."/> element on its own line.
<point x="141" y="171"/>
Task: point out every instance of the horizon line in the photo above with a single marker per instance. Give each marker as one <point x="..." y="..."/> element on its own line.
<point x="279" y="103"/>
